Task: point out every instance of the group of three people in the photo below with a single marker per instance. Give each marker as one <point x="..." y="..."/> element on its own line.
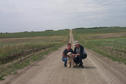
<point x="78" y="54"/>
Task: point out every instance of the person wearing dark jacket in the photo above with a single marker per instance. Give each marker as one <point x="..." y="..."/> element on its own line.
<point x="79" y="53"/>
<point x="65" y="57"/>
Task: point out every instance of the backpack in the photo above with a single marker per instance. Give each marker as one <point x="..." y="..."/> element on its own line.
<point x="84" y="56"/>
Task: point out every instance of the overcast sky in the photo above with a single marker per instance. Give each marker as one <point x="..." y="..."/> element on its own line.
<point x="37" y="15"/>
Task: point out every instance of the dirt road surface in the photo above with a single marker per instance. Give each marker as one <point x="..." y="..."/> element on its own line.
<point x="98" y="70"/>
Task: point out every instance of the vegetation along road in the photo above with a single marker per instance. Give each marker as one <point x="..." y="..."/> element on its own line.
<point x="100" y="67"/>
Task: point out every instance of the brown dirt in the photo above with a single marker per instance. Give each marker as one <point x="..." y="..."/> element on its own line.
<point x="108" y="35"/>
<point x="98" y="70"/>
<point x="23" y="39"/>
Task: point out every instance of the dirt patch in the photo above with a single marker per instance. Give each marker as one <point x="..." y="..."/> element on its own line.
<point x="98" y="70"/>
<point x="108" y="35"/>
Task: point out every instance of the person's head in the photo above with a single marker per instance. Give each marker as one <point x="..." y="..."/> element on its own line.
<point x="69" y="46"/>
<point x="77" y="44"/>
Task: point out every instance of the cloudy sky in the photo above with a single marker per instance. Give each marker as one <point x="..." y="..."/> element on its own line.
<point x="37" y="15"/>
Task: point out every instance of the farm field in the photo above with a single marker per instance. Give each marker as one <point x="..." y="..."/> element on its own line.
<point x="108" y="42"/>
<point x="31" y="34"/>
<point x="18" y="50"/>
<point x="98" y="69"/>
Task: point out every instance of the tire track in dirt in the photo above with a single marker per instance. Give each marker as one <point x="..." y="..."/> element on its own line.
<point x="98" y="70"/>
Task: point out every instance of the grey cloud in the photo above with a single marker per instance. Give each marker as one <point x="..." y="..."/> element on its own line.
<point x="28" y="15"/>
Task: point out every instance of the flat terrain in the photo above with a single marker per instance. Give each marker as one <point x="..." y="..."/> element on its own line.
<point x="98" y="70"/>
<point x="109" y="42"/>
<point x="18" y="50"/>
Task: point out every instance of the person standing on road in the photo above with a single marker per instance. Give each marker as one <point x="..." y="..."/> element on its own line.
<point x="79" y="54"/>
<point x="65" y="57"/>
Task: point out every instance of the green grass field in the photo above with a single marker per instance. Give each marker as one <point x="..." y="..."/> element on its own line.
<point x="110" y="42"/>
<point x="15" y="46"/>
<point x="32" y="34"/>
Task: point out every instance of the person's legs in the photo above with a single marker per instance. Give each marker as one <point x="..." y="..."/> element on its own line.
<point x="76" y="60"/>
<point x="65" y="61"/>
<point x="80" y="61"/>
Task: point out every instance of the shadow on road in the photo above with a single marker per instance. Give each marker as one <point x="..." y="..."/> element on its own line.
<point x="89" y="67"/>
<point x="85" y="67"/>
